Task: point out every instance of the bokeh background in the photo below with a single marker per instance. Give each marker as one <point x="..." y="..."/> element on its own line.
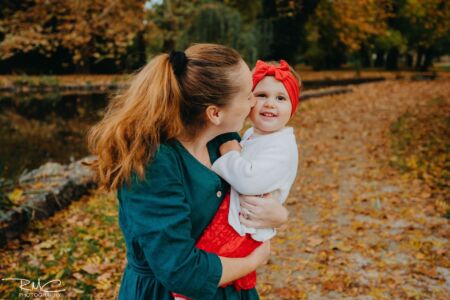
<point x="369" y="210"/>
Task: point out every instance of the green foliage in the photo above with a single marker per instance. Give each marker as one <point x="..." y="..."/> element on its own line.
<point x="218" y="23"/>
<point x="392" y="39"/>
<point x="249" y="10"/>
<point x="322" y="35"/>
<point x="6" y="186"/>
<point x="255" y="42"/>
<point x="214" y="23"/>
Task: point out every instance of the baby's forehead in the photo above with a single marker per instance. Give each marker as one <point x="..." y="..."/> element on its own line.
<point x="270" y="84"/>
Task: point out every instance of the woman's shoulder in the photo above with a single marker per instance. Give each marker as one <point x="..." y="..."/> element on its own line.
<point x="166" y="151"/>
<point x="220" y="139"/>
<point x="166" y="156"/>
<point x="161" y="170"/>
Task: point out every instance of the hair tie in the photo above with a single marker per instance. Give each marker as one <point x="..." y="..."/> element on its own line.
<point x="179" y="60"/>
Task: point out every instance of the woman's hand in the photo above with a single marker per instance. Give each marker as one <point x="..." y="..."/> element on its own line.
<point x="265" y="212"/>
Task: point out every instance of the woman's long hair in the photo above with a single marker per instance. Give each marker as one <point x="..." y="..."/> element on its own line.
<point x="159" y="106"/>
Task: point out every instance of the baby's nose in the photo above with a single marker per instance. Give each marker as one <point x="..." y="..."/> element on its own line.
<point x="269" y="103"/>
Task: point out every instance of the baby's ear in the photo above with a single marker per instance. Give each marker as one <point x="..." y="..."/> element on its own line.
<point x="213" y="114"/>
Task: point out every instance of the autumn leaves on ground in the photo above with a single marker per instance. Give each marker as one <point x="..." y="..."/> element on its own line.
<point x="367" y="211"/>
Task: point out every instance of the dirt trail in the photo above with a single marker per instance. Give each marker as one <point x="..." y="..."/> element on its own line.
<point x="358" y="229"/>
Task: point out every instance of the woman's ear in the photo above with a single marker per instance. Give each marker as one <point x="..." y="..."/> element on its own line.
<point x="214" y="114"/>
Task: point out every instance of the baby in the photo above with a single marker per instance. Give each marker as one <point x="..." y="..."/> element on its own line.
<point x="268" y="159"/>
<point x="265" y="161"/>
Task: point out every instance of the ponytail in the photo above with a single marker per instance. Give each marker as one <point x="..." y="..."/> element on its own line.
<point x="135" y="123"/>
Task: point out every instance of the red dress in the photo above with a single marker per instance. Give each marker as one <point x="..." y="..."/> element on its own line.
<point x="220" y="238"/>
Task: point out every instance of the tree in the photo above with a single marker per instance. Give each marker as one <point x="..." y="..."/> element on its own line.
<point x="393" y="43"/>
<point x="427" y="27"/>
<point x="166" y="22"/>
<point x="350" y="23"/>
<point x="175" y="24"/>
<point x="321" y="36"/>
<point x="94" y="29"/>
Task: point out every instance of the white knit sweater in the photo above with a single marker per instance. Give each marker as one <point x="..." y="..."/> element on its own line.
<point x="266" y="163"/>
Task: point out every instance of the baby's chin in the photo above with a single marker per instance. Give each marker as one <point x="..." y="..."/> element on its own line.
<point x="266" y="129"/>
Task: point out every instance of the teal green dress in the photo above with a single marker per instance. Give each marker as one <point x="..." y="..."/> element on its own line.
<point x="162" y="217"/>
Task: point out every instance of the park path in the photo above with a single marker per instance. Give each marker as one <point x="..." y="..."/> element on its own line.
<point x="359" y="229"/>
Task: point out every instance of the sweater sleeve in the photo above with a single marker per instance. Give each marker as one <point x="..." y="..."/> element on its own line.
<point x="260" y="174"/>
<point x="160" y="221"/>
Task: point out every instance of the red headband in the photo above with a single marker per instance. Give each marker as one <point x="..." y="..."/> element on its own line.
<point x="281" y="73"/>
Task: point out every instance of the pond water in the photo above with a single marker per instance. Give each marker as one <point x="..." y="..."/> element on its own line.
<point x="35" y="129"/>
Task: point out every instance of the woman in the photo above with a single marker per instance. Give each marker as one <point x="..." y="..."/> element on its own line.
<point x="156" y="145"/>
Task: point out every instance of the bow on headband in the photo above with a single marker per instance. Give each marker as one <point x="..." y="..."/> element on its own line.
<point x="281" y="73"/>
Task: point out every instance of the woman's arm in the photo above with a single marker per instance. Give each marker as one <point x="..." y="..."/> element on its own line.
<point x="235" y="268"/>
<point x="268" y="213"/>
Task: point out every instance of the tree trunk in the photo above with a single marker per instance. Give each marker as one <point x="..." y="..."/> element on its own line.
<point x="419" y="58"/>
<point x="365" y="57"/>
<point x="379" y="61"/>
<point x="409" y="60"/>
<point x="392" y="59"/>
<point x="429" y="55"/>
<point x="357" y="64"/>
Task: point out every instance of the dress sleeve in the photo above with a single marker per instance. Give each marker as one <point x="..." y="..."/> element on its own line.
<point x="227" y="137"/>
<point x="262" y="173"/>
<point x="160" y="222"/>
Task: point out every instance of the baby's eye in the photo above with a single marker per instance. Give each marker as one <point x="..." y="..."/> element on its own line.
<point x="281" y="98"/>
<point x="260" y="95"/>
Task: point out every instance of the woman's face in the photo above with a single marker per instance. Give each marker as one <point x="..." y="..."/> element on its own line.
<point x="239" y="106"/>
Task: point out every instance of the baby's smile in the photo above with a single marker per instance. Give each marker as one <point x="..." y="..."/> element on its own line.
<point x="268" y="114"/>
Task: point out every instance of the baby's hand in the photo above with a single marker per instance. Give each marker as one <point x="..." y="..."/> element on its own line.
<point x="232" y="145"/>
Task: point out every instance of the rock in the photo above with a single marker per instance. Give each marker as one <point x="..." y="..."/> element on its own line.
<point x="47" y="189"/>
<point x="44" y="172"/>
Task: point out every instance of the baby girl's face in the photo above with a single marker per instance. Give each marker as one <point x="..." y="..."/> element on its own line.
<point x="273" y="107"/>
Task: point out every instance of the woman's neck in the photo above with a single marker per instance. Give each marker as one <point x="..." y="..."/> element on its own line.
<point x="197" y="146"/>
